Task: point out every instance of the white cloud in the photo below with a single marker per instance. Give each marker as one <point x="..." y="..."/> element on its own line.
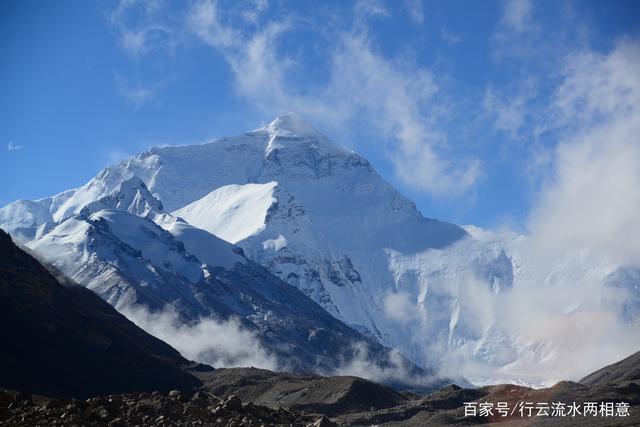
<point x="255" y="10"/>
<point x="394" y="368"/>
<point x="585" y="214"/>
<point x="141" y="28"/>
<point x="415" y="9"/>
<point x="519" y="35"/>
<point x="509" y="108"/>
<point x="398" y="307"/>
<point x="583" y="227"/>
<point x="599" y="87"/>
<point x="116" y="155"/>
<point x="396" y="98"/>
<point x="217" y="343"/>
<point x="517" y="15"/>
<point x="449" y="36"/>
<point x="13" y="147"/>
<point x="367" y="9"/>
<point x="138" y="94"/>
<point x="593" y="199"/>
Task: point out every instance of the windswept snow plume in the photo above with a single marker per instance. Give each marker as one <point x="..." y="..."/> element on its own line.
<point x="220" y="344"/>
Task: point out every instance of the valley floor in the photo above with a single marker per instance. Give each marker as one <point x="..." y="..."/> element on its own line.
<point x="254" y="397"/>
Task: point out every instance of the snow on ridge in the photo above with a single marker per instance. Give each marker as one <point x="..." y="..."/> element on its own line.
<point x="208" y="248"/>
<point x="291" y="125"/>
<point x="156" y="244"/>
<point x="232" y="212"/>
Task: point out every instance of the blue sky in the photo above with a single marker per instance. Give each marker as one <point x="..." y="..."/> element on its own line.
<point x="457" y="103"/>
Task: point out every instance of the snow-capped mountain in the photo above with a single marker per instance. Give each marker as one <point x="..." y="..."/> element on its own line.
<point x="132" y="262"/>
<point x="315" y="215"/>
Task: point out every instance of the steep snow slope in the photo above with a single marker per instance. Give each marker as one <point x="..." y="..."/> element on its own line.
<point x="231" y="212"/>
<point x="208" y="248"/>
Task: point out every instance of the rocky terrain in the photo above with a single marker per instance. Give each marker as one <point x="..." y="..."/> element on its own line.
<point x="331" y="396"/>
<point x="146" y="409"/>
<point x="246" y="396"/>
<point x="615" y="383"/>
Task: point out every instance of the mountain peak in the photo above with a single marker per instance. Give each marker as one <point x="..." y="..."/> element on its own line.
<point x="291" y="124"/>
<point x="292" y="132"/>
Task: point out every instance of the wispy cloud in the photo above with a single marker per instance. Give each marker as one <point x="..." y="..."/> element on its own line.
<point x="584" y="214"/>
<point x="136" y="94"/>
<point x="13" y="147"/>
<point x="396" y="97"/>
<point x="392" y="368"/>
<point x="517" y="15"/>
<point x="510" y="106"/>
<point x="593" y="197"/>
<point x="141" y="27"/>
<point x="398" y="307"/>
<point x="449" y="36"/>
<point x="415" y="9"/>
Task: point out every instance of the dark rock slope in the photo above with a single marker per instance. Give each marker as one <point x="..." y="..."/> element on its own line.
<point x="63" y="340"/>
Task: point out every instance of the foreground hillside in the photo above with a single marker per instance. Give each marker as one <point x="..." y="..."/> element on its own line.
<point x="63" y="340"/>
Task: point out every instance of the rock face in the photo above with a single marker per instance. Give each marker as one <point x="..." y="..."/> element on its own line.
<point x="63" y="340"/>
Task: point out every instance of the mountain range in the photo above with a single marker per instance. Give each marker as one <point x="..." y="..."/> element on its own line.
<point x="304" y="245"/>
